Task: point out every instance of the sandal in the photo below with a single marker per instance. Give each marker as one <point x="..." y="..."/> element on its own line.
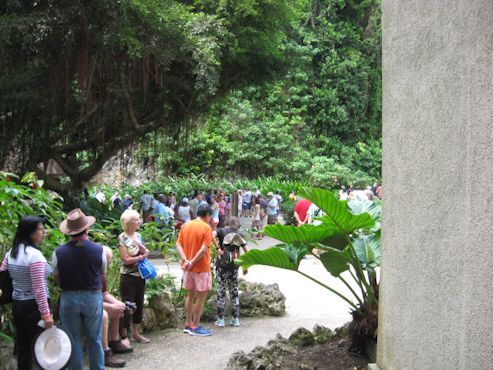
<point x="141" y="339"/>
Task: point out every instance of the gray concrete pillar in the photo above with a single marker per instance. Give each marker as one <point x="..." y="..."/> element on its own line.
<point x="436" y="295"/>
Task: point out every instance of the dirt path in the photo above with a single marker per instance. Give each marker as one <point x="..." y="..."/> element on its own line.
<point x="307" y="304"/>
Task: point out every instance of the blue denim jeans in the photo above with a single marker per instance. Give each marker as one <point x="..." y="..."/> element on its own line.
<point x="81" y="312"/>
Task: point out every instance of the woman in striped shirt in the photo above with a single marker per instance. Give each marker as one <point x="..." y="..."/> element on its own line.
<point x="28" y="269"/>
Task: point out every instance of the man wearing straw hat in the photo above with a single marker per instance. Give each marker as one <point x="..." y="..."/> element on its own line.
<point x="77" y="266"/>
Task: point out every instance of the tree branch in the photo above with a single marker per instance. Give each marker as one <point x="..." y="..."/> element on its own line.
<point x="51" y="182"/>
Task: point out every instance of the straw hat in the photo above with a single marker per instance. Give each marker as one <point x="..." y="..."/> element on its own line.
<point x="76" y="222"/>
<point x="234" y="239"/>
<point x="52" y="349"/>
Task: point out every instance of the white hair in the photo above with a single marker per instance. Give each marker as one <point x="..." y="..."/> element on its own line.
<point x="127" y="216"/>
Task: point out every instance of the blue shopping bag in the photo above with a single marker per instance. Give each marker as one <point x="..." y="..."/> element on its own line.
<point x="147" y="269"/>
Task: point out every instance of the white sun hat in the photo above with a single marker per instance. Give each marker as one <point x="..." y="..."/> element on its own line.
<point x="52" y="349"/>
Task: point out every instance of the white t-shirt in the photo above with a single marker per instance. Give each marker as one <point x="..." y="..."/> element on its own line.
<point x="240" y="202"/>
<point x="314" y="212"/>
<point x="247" y="197"/>
<point x="101" y="198"/>
<point x="184" y="213"/>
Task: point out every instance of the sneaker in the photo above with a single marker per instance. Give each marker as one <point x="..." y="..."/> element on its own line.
<point x="220" y="323"/>
<point x="187" y="329"/>
<point x="199" y="331"/>
<point x="117" y="346"/>
<point x="140" y="338"/>
<point x="235" y="322"/>
<point x="112" y="361"/>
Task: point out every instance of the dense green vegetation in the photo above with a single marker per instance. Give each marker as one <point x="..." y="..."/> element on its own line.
<point x="284" y="93"/>
<point x="347" y="240"/>
<point x="287" y="88"/>
<point x="185" y="186"/>
<point x="26" y="196"/>
<point x="319" y="118"/>
<point x="81" y="80"/>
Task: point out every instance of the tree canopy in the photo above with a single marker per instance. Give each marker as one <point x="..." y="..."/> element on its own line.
<point x="81" y="80"/>
<point x="319" y="118"/>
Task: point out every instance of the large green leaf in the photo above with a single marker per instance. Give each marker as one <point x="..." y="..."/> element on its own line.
<point x="335" y="261"/>
<point x="296" y="252"/>
<point x="304" y="233"/>
<point x="368" y="251"/>
<point x="358" y="207"/>
<point x="336" y="211"/>
<point x="372" y="208"/>
<point x="286" y="257"/>
<point x="338" y="241"/>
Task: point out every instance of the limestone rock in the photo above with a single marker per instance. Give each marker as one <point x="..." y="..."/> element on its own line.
<point x="322" y="334"/>
<point x="303" y="350"/>
<point x="164" y="310"/>
<point x="239" y="360"/>
<point x="7" y="358"/>
<point x="302" y="338"/>
<point x="268" y="357"/>
<point x="342" y="331"/>
<point x="258" y="299"/>
<point x="160" y="313"/>
<point x="149" y="322"/>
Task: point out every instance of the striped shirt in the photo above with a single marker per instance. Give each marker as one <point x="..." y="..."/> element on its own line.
<point x="29" y="272"/>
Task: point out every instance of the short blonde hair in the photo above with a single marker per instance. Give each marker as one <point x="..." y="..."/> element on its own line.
<point x="127" y="216"/>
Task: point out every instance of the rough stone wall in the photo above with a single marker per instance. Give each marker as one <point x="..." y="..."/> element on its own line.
<point x="124" y="169"/>
<point x="436" y="303"/>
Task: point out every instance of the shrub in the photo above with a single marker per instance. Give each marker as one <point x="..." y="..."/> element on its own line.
<point x="22" y="197"/>
<point x="348" y="239"/>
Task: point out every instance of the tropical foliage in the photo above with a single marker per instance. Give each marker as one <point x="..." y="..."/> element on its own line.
<point x="231" y="89"/>
<point x="81" y="80"/>
<point x="185" y="187"/>
<point x="347" y="242"/>
<point x="26" y="196"/>
<point x="318" y="119"/>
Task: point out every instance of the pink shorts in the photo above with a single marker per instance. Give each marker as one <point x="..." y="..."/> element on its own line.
<point x="198" y="281"/>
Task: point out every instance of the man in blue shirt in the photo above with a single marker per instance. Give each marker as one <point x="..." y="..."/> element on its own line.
<point x="78" y="267"/>
<point x="163" y="213"/>
<point x="146" y="204"/>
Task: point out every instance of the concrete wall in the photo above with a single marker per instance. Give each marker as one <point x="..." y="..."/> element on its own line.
<point x="436" y="303"/>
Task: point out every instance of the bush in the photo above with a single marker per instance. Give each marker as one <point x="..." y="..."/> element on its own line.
<point x="22" y="197"/>
<point x="287" y="210"/>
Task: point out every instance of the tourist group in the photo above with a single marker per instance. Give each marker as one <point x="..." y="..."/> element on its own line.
<point x="86" y="308"/>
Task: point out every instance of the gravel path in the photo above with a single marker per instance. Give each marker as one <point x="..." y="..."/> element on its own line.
<point x="307" y="304"/>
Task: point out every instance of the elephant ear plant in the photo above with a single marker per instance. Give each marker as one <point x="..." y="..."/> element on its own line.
<point x="347" y="240"/>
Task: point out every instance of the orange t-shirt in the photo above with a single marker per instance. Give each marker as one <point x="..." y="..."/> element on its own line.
<point x="192" y="237"/>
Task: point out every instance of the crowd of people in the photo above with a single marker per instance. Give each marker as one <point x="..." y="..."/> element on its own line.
<point x="167" y="210"/>
<point x="87" y="309"/>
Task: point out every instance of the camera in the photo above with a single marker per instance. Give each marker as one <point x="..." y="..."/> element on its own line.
<point x="130" y="307"/>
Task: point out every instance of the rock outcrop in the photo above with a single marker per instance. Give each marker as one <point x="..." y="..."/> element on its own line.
<point x="7" y="358"/>
<point x="160" y="313"/>
<point x="310" y="350"/>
